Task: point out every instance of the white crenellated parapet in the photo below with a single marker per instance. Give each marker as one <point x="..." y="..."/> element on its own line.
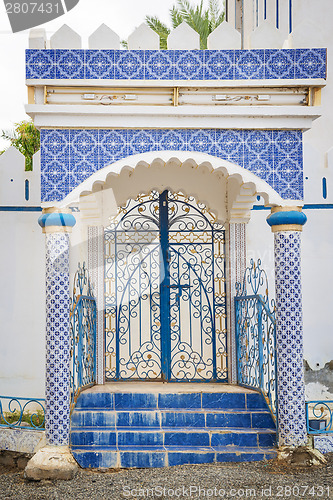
<point x="144" y="38"/>
<point x="271" y="11"/>
<point x="37" y="38"/>
<point x="306" y="34"/>
<point x="104" y="38"/>
<point x="65" y="38"/>
<point x="225" y="36"/>
<point x="266" y="36"/>
<point x="184" y="38"/>
<point x="284" y="17"/>
<point x="17" y="186"/>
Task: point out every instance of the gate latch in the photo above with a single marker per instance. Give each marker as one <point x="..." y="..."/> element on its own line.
<point x="180" y="289"/>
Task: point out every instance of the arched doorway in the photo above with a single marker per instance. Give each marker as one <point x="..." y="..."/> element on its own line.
<point x="165" y="295"/>
<point x="226" y="190"/>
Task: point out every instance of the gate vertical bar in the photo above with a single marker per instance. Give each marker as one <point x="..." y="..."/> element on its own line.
<point x="260" y="346"/>
<point x="165" y="286"/>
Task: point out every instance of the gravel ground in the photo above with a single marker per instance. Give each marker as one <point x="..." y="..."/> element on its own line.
<point x="246" y="480"/>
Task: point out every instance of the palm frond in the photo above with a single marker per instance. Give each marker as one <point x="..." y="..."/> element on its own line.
<point x="160" y="28"/>
<point x="176" y="17"/>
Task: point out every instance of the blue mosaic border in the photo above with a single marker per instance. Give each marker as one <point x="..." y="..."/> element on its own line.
<point x="68" y="157"/>
<point x="175" y="64"/>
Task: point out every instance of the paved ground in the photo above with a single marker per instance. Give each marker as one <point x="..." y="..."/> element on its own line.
<point x="248" y="480"/>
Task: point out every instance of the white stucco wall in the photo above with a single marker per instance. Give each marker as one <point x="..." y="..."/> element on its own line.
<point x="22" y="305"/>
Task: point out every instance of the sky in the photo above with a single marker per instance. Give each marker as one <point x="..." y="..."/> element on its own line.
<point x="121" y="16"/>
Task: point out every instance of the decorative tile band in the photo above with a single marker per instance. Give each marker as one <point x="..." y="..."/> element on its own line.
<point x="68" y="157"/>
<point x="150" y="65"/>
<point x="289" y="340"/>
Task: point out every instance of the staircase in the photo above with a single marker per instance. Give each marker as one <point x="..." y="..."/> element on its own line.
<point x="158" y="429"/>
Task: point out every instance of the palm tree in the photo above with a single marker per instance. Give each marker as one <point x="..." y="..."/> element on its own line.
<point x="24" y="137"/>
<point x="203" y="21"/>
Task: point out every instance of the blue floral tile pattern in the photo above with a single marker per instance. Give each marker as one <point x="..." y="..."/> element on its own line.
<point x="189" y="65"/>
<point x="310" y="63"/>
<point x="129" y="64"/>
<point x="99" y="64"/>
<point x="68" y="157"/>
<point x="40" y="64"/>
<point x="219" y="64"/>
<point x="249" y="64"/>
<point x="57" y="339"/>
<point x="175" y="64"/>
<point x="289" y="339"/>
<point x="70" y="64"/>
<point x="280" y="63"/>
<point x="159" y="64"/>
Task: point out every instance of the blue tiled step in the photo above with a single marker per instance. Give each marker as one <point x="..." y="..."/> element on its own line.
<point x="168" y="418"/>
<point x="186" y="401"/>
<point x="145" y="457"/>
<point x="181" y="437"/>
<point x="156" y="430"/>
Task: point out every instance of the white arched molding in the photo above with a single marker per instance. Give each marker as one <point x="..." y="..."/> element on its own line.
<point x="225" y="188"/>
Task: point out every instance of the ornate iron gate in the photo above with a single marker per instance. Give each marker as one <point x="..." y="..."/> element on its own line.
<point x="165" y="291"/>
<point x="83" y="334"/>
<point x="256" y="334"/>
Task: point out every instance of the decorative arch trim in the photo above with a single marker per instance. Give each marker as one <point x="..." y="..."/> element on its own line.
<point x="227" y="189"/>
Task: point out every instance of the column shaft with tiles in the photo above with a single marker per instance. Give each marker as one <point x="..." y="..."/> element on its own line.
<point x="57" y="225"/>
<point x="286" y="224"/>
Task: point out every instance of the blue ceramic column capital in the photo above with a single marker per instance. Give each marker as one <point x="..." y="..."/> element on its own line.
<point x="286" y="219"/>
<point x="56" y="220"/>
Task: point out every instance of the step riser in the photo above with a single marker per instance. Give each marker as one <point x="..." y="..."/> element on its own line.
<point x="162" y="459"/>
<point x="161" y="419"/>
<point x="180" y="439"/>
<point x="199" y="401"/>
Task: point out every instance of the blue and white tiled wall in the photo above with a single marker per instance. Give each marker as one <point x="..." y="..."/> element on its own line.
<point x="68" y="157"/>
<point x="176" y="64"/>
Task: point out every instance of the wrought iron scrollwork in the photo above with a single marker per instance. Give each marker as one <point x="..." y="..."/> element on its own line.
<point x="25" y="413"/>
<point x="83" y="333"/>
<point x="256" y="334"/>
<point x="136" y="304"/>
<point x="319" y="417"/>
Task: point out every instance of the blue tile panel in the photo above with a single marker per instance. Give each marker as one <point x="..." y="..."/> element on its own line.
<point x="69" y="156"/>
<point x="187" y="65"/>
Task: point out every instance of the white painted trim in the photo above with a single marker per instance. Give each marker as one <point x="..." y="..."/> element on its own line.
<point x="229" y="117"/>
<point x="311" y="82"/>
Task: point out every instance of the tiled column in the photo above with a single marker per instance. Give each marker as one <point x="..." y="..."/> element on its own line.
<point x="57" y="225"/>
<point x="286" y="224"/>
